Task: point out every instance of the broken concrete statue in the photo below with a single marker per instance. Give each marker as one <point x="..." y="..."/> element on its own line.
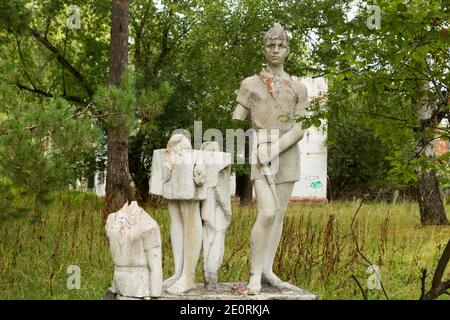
<point x="135" y="246"/>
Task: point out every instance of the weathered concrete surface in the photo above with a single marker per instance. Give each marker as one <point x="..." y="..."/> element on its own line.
<point x="237" y="291"/>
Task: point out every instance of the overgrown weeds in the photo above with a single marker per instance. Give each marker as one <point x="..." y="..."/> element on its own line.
<point x="317" y="251"/>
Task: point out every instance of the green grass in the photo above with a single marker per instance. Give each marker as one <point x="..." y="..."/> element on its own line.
<point x="317" y="251"/>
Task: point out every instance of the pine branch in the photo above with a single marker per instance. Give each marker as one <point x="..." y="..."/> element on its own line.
<point x="22" y="60"/>
<point x="47" y="94"/>
<point x="66" y="64"/>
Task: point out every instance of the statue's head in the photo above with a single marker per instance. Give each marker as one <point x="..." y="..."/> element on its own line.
<point x="211" y="146"/>
<point x="275" y="45"/>
<point x="178" y="142"/>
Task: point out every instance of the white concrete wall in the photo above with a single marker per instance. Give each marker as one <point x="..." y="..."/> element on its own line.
<point x="100" y="184"/>
<point x="313" y="166"/>
<point x="313" y="152"/>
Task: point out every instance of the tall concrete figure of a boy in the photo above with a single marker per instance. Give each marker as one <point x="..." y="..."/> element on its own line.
<point x="272" y="99"/>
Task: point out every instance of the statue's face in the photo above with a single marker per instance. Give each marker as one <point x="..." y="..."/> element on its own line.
<point x="275" y="51"/>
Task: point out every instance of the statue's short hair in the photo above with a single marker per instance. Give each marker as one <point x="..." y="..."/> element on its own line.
<point x="178" y="142"/>
<point x="277" y="32"/>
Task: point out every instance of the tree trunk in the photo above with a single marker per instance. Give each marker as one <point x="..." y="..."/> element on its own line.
<point x="118" y="54"/>
<point x="439" y="286"/>
<point x="244" y="189"/>
<point x="431" y="204"/>
<point x="118" y="190"/>
<point x="138" y="169"/>
<point x="432" y="211"/>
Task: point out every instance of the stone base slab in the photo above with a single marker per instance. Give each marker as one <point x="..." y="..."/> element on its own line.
<point x="237" y="291"/>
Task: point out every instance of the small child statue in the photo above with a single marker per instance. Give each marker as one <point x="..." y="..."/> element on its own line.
<point x="215" y="209"/>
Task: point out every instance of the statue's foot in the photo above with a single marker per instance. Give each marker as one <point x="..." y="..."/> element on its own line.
<point x="211" y="280"/>
<point x="182" y="285"/>
<point x="254" y="285"/>
<point x="271" y="279"/>
<point x="169" y="282"/>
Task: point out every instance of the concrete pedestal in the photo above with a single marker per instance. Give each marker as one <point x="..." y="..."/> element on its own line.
<point x="237" y="291"/>
<point x="229" y="291"/>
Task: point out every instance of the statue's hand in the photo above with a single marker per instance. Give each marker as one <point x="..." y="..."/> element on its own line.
<point x="199" y="175"/>
<point x="167" y="172"/>
<point x="267" y="152"/>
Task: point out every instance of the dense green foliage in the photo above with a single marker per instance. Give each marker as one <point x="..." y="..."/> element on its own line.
<point x="188" y="58"/>
<point x="381" y="78"/>
<point x="48" y="74"/>
<point x="42" y="145"/>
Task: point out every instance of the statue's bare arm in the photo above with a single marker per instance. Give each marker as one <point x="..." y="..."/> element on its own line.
<point x="152" y="247"/>
<point x="240" y="113"/>
<point x="291" y="137"/>
<point x="286" y="141"/>
<point x="156" y="277"/>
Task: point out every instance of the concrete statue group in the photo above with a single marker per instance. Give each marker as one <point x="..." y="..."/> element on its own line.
<point x="196" y="185"/>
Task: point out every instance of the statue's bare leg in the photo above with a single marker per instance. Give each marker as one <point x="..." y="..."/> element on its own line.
<point x="176" y="239"/>
<point x="192" y="244"/>
<point x="266" y="209"/>
<point x="208" y="215"/>
<point x="208" y="237"/>
<point x="215" y="258"/>
<point x="284" y="192"/>
<point x="217" y="246"/>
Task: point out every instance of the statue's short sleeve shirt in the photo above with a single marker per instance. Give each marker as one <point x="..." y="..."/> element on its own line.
<point x="130" y="236"/>
<point x="151" y="235"/>
<point x="274" y="103"/>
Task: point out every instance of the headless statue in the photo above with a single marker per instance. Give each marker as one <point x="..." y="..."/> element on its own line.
<point x="272" y="99"/>
<point x="135" y="246"/>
